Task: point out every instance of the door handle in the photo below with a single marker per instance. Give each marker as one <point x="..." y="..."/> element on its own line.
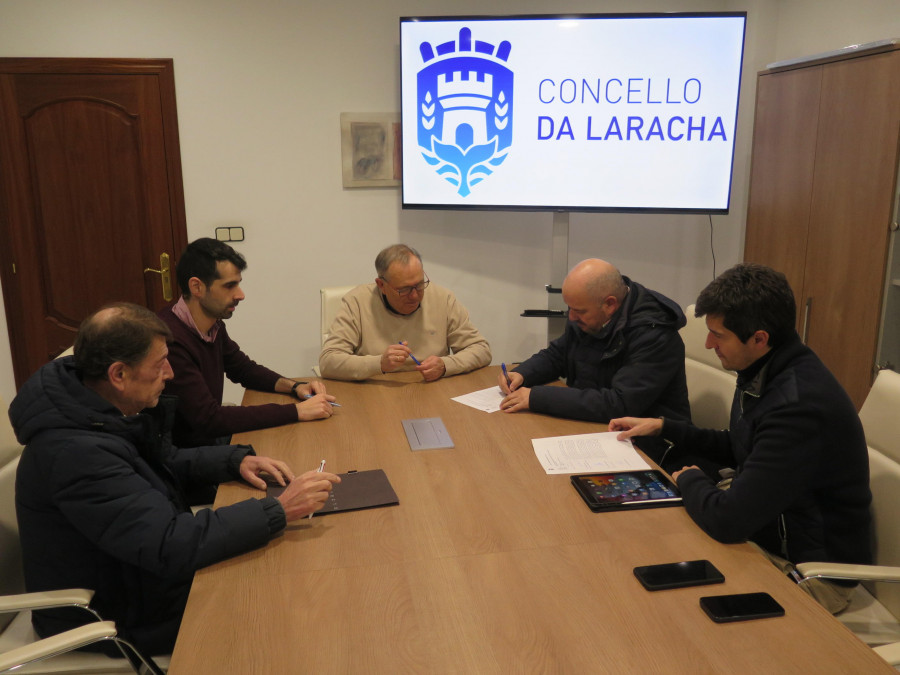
<point x="165" y="275"/>
<point x="804" y="333"/>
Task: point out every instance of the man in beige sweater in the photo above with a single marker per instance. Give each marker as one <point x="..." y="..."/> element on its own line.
<point x="393" y="325"/>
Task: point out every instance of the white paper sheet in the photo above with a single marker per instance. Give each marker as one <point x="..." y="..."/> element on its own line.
<point x="487" y="400"/>
<point x="587" y="453"/>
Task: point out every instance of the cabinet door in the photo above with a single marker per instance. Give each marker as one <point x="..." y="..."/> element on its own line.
<point x="781" y="177"/>
<point x="850" y="214"/>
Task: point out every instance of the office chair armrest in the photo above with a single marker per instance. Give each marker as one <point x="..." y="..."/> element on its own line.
<point x="849" y="572"/>
<point x="79" y="597"/>
<point x="57" y="644"/>
<point x="889" y="652"/>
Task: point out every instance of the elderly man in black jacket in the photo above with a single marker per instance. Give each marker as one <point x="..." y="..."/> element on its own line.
<point x="621" y="353"/>
<point x="100" y="491"/>
<point x="801" y="490"/>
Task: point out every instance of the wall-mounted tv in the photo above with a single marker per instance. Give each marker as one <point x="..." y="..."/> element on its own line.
<point x="601" y="112"/>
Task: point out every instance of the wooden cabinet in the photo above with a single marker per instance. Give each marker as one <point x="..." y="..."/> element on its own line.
<point x="823" y="199"/>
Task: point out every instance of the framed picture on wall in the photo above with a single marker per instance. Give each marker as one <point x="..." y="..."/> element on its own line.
<point x="370" y="149"/>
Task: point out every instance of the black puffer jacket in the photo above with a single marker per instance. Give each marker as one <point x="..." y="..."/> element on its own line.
<point x="100" y="505"/>
<point x="635" y="367"/>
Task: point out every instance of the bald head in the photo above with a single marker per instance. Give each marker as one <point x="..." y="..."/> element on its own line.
<point x="597" y="278"/>
<point x="593" y="290"/>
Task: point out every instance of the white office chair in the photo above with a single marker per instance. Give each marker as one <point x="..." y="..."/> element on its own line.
<point x="875" y="619"/>
<point x="19" y="644"/>
<point x="710" y="387"/>
<point x="331" y="297"/>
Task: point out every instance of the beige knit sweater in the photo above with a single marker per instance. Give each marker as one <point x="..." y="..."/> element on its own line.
<point x="364" y="328"/>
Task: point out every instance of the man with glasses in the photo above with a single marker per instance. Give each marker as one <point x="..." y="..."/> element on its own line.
<point x="394" y="324"/>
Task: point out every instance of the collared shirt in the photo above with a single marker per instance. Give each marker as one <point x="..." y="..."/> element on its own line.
<point x="388" y="307"/>
<point x="180" y="309"/>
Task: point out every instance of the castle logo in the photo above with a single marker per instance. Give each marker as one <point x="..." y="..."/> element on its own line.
<point x="464" y="108"/>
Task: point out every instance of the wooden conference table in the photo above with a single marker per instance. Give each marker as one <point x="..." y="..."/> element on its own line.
<point x="487" y="565"/>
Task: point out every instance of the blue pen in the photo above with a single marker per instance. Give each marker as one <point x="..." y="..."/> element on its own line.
<point x="506" y="375"/>
<point x="333" y="404"/>
<point x="418" y="363"/>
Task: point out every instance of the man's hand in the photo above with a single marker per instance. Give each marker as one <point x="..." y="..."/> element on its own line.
<point x="316" y="408"/>
<point x="636" y="426"/>
<point x="682" y="470"/>
<point x="306" y="494"/>
<point x="432" y="368"/>
<point x="516" y="401"/>
<point x="515" y="381"/>
<point x="394" y="357"/>
<point x="311" y="388"/>
<point x="252" y="467"/>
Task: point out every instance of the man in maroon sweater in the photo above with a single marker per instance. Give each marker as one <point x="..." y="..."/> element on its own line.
<point x="201" y="354"/>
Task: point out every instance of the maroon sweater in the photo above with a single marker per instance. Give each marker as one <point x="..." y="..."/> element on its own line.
<point x="200" y="368"/>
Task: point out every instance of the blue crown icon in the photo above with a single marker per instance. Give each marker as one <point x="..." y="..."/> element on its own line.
<point x="465" y="111"/>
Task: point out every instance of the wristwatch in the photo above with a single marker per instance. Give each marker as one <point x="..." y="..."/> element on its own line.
<point x="294" y="388"/>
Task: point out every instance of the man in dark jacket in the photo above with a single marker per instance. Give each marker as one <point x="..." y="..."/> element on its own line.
<point x="621" y="353"/>
<point x="801" y="488"/>
<point x="100" y="490"/>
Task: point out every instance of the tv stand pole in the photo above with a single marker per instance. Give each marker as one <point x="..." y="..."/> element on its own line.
<point x="559" y="267"/>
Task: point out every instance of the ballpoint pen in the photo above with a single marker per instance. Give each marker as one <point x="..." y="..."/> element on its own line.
<point x="333" y="404"/>
<point x="319" y="470"/>
<point x="418" y="363"/>
<point x="506" y="375"/>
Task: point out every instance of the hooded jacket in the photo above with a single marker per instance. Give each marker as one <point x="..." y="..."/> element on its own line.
<point x="801" y="490"/>
<point x="100" y="502"/>
<point x="635" y="366"/>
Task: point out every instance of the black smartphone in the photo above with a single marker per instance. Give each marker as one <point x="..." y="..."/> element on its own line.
<point x="740" y="607"/>
<point x="678" y="575"/>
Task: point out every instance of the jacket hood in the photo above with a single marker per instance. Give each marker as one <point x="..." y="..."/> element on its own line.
<point x="55" y="398"/>
<point x="643" y="307"/>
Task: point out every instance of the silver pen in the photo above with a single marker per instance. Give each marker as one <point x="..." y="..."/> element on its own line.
<point x="319" y="470"/>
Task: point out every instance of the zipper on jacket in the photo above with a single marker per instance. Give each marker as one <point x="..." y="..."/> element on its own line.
<point x="741" y="398"/>
<point x="782" y="534"/>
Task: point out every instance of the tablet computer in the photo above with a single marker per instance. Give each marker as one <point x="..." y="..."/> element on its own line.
<point x="625" y="490"/>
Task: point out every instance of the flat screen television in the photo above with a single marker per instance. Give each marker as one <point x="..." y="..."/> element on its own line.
<point x="601" y="112"/>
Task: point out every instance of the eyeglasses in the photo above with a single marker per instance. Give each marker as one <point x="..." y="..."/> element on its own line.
<point x="406" y="290"/>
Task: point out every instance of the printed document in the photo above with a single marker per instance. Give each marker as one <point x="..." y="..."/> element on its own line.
<point x="587" y="453"/>
<point x="487" y="400"/>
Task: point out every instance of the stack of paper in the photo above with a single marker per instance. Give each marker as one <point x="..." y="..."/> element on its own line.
<point x="587" y="453"/>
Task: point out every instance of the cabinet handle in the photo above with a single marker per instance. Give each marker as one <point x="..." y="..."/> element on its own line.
<point x="165" y="275"/>
<point x="806" y="310"/>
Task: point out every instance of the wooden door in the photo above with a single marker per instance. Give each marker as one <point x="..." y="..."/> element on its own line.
<point x="90" y="194"/>
<point x="850" y="215"/>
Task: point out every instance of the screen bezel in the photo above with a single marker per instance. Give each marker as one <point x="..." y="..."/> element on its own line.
<point x="580" y="483"/>
<point x="562" y="208"/>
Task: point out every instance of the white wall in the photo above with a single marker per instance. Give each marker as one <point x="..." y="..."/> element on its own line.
<point x="260" y="86"/>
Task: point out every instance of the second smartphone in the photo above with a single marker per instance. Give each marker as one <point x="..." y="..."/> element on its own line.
<point x="678" y="575"/>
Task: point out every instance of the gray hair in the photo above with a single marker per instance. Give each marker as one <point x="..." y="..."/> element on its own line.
<point x="400" y="253"/>
<point x="606" y="284"/>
